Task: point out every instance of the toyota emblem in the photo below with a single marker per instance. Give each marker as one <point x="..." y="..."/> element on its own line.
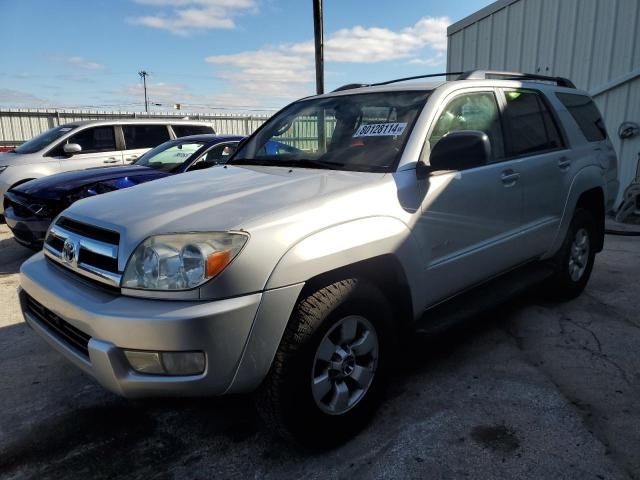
<point x="69" y="252"/>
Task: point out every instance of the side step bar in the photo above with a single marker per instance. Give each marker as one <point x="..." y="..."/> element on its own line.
<point x="481" y="298"/>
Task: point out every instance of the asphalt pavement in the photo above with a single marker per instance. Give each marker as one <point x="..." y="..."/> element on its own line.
<point x="532" y="389"/>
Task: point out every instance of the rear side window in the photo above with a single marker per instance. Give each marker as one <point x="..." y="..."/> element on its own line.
<point x="586" y="115"/>
<point x="97" y="139"/>
<point x="144" y="136"/>
<point x="185" y="130"/>
<point x="530" y="124"/>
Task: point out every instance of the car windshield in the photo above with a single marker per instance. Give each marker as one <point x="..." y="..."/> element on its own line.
<point x="360" y="132"/>
<point x="169" y="155"/>
<point x="44" y="139"/>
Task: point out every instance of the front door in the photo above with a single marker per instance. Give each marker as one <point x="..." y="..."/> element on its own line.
<point x="98" y="150"/>
<point x="470" y="218"/>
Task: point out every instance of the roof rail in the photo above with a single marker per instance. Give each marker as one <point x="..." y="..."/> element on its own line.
<point x="349" y="86"/>
<point x="470" y="75"/>
<point x="497" y="75"/>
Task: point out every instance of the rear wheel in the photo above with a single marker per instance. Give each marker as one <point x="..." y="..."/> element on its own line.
<point x="330" y="369"/>
<point x="574" y="261"/>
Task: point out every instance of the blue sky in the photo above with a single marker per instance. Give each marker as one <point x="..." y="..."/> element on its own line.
<point x="233" y="54"/>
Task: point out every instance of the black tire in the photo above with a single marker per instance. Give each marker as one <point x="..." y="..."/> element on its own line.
<point x="285" y="400"/>
<point x="562" y="286"/>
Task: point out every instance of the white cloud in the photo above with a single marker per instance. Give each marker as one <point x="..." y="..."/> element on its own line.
<point x="169" y="94"/>
<point x="371" y="45"/>
<point x="287" y="70"/>
<point x="77" y="62"/>
<point x="16" y="98"/>
<point x="439" y="59"/>
<point x="158" y="92"/>
<point x="187" y="16"/>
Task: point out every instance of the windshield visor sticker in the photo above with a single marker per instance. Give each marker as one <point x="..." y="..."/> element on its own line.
<point x="380" y="130"/>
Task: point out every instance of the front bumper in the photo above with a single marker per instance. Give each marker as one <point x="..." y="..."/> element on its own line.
<point x="112" y="322"/>
<point x="28" y="231"/>
<point x="3" y="189"/>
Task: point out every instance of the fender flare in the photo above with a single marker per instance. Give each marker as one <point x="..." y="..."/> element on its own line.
<point x="348" y="243"/>
<point x="587" y="178"/>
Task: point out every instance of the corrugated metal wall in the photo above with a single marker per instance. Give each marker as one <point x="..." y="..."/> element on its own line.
<point x="595" y="43"/>
<point x="18" y="125"/>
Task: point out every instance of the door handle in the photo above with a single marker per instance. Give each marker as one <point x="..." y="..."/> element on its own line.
<point x="509" y="178"/>
<point x="564" y="163"/>
<point x="110" y="160"/>
<point x="132" y="157"/>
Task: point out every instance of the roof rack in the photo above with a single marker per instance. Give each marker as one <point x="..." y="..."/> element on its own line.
<point x="498" y="75"/>
<point x="349" y="86"/>
<point x="470" y="75"/>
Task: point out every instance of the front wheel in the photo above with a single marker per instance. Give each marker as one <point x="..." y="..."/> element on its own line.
<point x="329" y="372"/>
<point x="574" y="261"/>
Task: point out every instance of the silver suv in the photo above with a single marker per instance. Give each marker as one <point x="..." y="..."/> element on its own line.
<point x="88" y="144"/>
<point x="294" y="271"/>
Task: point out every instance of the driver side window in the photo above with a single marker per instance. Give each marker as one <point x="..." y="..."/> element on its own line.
<point x="217" y="155"/>
<point x="472" y="111"/>
<point x="91" y="140"/>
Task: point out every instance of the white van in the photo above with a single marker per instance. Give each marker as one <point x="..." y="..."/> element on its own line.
<point x="89" y="144"/>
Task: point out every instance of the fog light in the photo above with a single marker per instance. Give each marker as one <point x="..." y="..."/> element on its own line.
<point x="145" y="362"/>
<point x="166" y="363"/>
<point x="183" y="363"/>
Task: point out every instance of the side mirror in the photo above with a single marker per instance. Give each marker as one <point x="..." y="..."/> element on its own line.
<point x="460" y="150"/>
<point x="72" y="148"/>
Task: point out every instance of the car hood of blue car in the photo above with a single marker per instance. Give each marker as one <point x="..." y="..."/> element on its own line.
<point x="55" y="187"/>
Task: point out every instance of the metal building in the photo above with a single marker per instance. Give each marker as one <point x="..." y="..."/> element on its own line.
<point x="595" y="43"/>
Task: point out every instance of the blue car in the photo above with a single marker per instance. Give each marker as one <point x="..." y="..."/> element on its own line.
<point x="30" y="207"/>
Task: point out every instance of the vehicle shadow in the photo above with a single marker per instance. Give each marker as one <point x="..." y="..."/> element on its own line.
<point x="57" y="421"/>
<point x="12" y="255"/>
<point x="427" y="349"/>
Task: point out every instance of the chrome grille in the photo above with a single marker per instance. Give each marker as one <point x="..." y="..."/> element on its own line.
<point x="85" y="249"/>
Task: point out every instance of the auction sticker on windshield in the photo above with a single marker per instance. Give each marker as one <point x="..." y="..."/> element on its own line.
<point x="380" y="130"/>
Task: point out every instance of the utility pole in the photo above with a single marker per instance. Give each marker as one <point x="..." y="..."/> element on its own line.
<point x="144" y="74"/>
<point x="318" y="34"/>
<point x="319" y="40"/>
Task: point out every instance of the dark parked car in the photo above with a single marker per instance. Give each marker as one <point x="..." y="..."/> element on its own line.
<point x="30" y="207"/>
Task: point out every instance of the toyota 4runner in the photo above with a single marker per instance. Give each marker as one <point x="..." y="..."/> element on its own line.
<point x="293" y="273"/>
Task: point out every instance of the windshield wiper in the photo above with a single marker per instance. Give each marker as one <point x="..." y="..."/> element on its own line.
<point x="249" y="161"/>
<point x="290" y="162"/>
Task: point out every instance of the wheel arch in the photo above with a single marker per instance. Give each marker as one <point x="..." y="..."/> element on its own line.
<point x="587" y="190"/>
<point x="386" y="273"/>
<point x="380" y="249"/>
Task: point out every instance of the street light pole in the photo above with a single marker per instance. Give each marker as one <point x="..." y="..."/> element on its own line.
<point x="144" y="74"/>
<point x="319" y="40"/>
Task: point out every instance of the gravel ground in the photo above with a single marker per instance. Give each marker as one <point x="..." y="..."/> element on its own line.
<point x="529" y="390"/>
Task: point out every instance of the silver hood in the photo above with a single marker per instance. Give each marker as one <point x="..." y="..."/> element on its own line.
<point x="217" y="199"/>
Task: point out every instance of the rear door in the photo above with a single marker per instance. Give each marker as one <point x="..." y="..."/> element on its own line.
<point x="533" y="136"/>
<point x="470" y="218"/>
<point x="98" y="149"/>
<point x="140" y="138"/>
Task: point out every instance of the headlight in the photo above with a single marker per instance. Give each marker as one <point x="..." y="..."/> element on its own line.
<point x="181" y="261"/>
<point x="2" y="169"/>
